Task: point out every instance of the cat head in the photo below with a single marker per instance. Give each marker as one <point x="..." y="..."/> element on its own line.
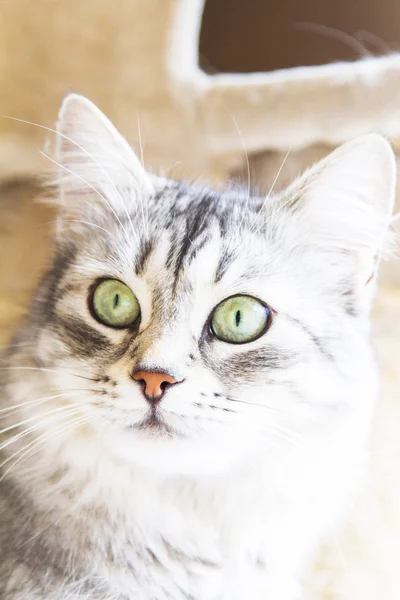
<point x="201" y="326"/>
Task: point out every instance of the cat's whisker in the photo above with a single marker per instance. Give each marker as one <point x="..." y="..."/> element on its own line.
<point x="141" y="147"/>
<point x="29" y="445"/>
<point x="270" y="427"/>
<point x="363" y="36"/>
<point x="17" y="345"/>
<point x="248" y="173"/>
<point x="383" y="450"/>
<point x="277" y="429"/>
<point x="337" y="34"/>
<point x="292" y="437"/>
<point x="271" y="189"/>
<point x="47" y="370"/>
<point x="84" y="377"/>
<point x="87" y="271"/>
<point x="78" y="221"/>
<point x="41" y="415"/>
<point x="253" y="229"/>
<point x="96" y="162"/>
<point x="40" y="369"/>
<point x="84" y="373"/>
<point x="266" y="407"/>
<point x="165" y="170"/>
<point x="101" y="196"/>
<point x="282" y="206"/>
<point x="65" y="410"/>
<point x="36" y="444"/>
<point x="28" y="369"/>
<point x="5" y="412"/>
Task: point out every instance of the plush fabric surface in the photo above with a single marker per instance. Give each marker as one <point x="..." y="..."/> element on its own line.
<point x="139" y="64"/>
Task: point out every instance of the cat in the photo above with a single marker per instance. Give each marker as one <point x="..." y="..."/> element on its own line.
<point x="185" y="411"/>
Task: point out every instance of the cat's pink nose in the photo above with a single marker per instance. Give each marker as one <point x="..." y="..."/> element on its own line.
<point x="154" y="384"/>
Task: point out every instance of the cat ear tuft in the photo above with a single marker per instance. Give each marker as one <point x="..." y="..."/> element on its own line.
<point x="96" y="164"/>
<point x="341" y="208"/>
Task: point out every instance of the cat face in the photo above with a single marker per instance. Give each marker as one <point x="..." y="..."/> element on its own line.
<point x="206" y="326"/>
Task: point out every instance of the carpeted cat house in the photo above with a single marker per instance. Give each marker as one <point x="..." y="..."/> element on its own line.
<point x="139" y="61"/>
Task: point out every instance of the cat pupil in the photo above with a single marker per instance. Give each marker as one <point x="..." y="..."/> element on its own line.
<point x="116" y="300"/>
<point x="237" y="318"/>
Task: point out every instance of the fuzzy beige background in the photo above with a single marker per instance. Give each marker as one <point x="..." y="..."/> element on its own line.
<point x="139" y="64"/>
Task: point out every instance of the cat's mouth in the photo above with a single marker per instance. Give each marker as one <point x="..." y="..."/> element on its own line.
<point x="153" y="423"/>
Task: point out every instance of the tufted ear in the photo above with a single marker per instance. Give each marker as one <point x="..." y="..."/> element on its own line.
<point x="341" y="210"/>
<point x="98" y="170"/>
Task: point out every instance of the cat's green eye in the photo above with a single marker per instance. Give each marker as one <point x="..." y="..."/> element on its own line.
<point x="115" y="304"/>
<point x="240" y="319"/>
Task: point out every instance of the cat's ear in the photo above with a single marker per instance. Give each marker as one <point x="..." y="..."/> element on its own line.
<point x="341" y="210"/>
<point x="96" y="164"/>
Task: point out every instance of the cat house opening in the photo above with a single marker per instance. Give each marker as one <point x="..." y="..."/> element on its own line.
<point x="264" y="35"/>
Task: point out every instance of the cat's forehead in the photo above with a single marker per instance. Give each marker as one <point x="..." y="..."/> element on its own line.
<point x="183" y="233"/>
<point x="199" y="206"/>
<point x="202" y="232"/>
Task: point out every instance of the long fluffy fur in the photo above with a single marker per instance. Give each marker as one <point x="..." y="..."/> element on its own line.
<point x="264" y="444"/>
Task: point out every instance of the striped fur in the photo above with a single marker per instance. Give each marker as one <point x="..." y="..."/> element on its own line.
<point x="260" y="450"/>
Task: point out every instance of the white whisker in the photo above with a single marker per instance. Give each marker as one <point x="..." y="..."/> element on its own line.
<point x="92" y="188"/>
<point x="17" y="345"/>
<point x="39" y="415"/>
<point x="248" y="173"/>
<point x="282" y="206"/>
<point x="96" y="162"/>
<point x="337" y="34"/>
<point x="65" y="410"/>
<point x="24" y="453"/>
<point x="271" y="189"/>
<point x="46" y="370"/>
<point x="4" y="412"/>
<point x="267" y="407"/>
<point x="77" y="221"/>
<point x="145" y="221"/>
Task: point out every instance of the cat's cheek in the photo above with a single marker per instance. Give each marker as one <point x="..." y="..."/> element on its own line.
<point x="50" y="347"/>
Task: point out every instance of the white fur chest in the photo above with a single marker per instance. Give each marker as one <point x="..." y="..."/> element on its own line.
<point x="231" y="538"/>
<point x="175" y="541"/>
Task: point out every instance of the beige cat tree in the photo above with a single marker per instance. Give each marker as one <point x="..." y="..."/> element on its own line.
<point x="138" y="60"/>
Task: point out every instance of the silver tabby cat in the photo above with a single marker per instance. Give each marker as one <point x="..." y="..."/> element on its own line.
<point x="185" y="411"/>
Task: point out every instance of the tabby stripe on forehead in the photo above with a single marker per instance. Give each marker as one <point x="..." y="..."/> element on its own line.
<point x="224" y="263"/>
<point x="83" y="339"/>
<point x="195" y="227"/>
<point x="197" y="247"/>
<point x="144" y="253"/>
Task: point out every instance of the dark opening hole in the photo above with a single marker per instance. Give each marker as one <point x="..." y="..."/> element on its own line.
<point x="263" y="35"/>
<point x="116" y="300"/>
<point x="237" y="318"/>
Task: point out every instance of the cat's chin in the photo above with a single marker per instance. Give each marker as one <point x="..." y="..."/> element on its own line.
<point x="159" y="448"/>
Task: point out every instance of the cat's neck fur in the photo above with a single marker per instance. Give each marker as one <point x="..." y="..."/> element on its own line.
<point x="234" y="528"/>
